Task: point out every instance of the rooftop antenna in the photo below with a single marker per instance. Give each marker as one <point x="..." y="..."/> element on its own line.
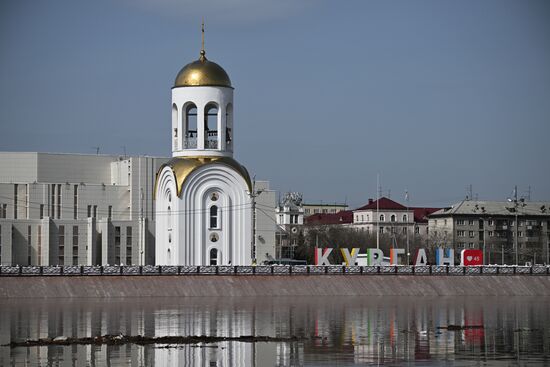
<point x="469" y="192"/>
<point x="96" y="150"/>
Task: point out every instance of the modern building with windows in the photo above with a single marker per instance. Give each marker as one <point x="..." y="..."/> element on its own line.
<point x="76" y="209"/>
<point x="497" y="227"/>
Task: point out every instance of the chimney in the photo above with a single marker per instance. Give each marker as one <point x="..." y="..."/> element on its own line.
<point x="371" y="201"/>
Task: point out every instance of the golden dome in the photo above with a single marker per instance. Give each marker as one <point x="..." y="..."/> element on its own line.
<point x="202" y="73"/>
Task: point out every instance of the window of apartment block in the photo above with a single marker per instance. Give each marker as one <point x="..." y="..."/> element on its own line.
<point x="41" y="211"/>
<point x="461" y="233"/>
<point x="471" y="245"/>
<point x="27" y="201"/>
<point x="117" y="245"/>
<point x="75" y="245"/>
<point x="460" y="222"/>
<point x="404" y="230"/>
<point x="325" y="211"/>
<point x="128" y="245"/>
<point x="491" y="234"/>
<point x="520" y="234"/>
<point x="15" y="200"/>
<point x="3" y="211"/>
<point x="75" y="202"/>
<point x="110" y="211"/>
<point x="307" y="211"/>
<point x="95" y="211"/>
<point x="470" y="222"/>
<point x="59" y="201"/>
<point x="61" y="244"/>
<point x="29" y="240"/>
<point x="491" y="222"/>
<point x="89" y="211"/>
<point x="39" y="244"/>
<point x="51" y="207"/>
<point x="416" y="230"/>
<point x="392" y="218"/>
<point x="444" y="222"/>
<point x="315" y="211"/>
<point x="381" y="230"/>
<point x="471" y="234"/>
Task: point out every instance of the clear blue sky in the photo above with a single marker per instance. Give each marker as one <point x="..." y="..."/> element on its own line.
<point x="435" y="95"/>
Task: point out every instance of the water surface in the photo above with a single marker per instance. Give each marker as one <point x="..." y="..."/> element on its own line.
<point x="343" y="331"/>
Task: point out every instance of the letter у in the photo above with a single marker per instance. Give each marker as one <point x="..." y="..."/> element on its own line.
<point x="321" y="256"/>
<point x="350" y="259"/>
<point x="394" y="255"/>
<point x="375" y="256"/>
<point x="445" y="256"/>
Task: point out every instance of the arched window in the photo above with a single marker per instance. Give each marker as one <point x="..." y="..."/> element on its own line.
<point x="169" y="218"/>
<point x="405" y="218"/>
<point x="213" y="216"/>
<point x="211" y="126"/>
<point x="382" y="218"/>
<point x="229" y="125"/>
<point x="214" y="256"/>
<point x="175" y="124"/>
<point x="392" y="218"/>
<point x="190" y="126"/>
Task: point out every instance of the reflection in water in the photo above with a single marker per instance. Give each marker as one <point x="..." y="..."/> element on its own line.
<point x="344" y="331"/>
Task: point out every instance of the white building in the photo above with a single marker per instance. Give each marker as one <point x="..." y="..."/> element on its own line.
<point x="204" y="197"/>
<point x="290" y="220"/>
<point x="76" y="209"/>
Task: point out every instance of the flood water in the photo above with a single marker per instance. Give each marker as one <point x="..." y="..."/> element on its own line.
<point x="343" y="331"/>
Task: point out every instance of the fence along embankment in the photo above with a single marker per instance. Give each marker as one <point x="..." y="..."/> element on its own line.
<point x="274" y="281"/>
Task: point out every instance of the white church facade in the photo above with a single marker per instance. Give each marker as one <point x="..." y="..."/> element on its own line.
<point x="203" y="196"/>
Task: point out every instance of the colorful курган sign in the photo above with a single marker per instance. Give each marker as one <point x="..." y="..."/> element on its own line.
<point x="376" y="256"/>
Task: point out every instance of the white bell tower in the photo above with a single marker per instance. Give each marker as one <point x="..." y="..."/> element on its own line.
<point x="202" y="195"/>
<point x="202" y="110"/>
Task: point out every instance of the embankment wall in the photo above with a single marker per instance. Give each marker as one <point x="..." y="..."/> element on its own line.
<point x="263" y="285"/>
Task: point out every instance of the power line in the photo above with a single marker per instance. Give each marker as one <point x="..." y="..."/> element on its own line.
<point x="37" y="205"/>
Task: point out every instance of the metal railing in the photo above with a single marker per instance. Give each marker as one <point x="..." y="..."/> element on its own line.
<point x="151" y="270"/>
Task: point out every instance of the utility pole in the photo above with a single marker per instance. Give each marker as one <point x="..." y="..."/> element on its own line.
<point x="407" y="225"/>
<point x="377" y="211"/>
<point x="253" y="194"/>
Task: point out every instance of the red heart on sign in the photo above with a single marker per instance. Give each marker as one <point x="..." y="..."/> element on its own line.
<point x="471" y="257"/>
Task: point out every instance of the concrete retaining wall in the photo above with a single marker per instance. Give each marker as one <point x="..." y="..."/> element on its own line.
<point x="254" y="286"/>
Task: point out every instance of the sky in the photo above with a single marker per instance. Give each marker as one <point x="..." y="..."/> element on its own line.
<point x="431" y="96"/>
